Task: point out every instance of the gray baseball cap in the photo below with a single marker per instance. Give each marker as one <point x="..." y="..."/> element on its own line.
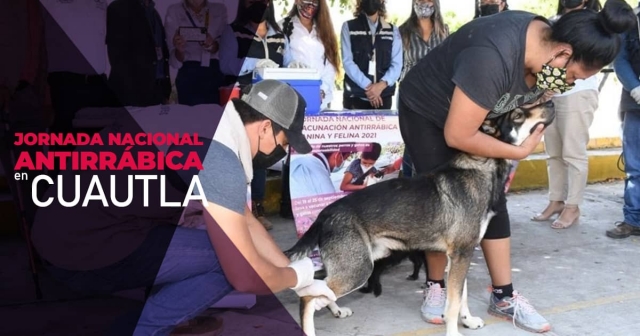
<point x="282" y="104"/>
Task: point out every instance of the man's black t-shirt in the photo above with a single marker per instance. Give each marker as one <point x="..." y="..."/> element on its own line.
<point x="484" y="58"/>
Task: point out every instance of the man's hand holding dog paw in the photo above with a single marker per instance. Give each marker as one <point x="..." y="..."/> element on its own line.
<point x="323" y="295"/>
<point x="635" y="94"/>
<point x="304" y="271"/>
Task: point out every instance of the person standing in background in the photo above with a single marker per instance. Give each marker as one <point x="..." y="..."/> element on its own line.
<point x="490" y="7"/>
<point x="138" y="53"/>
<point x="627" y="68"/>
<point x="372" y="57"/>
<point x="313" y="42"/>
<point x="566" y="139"/>
<point x="199" y="77"/>
<point x="77" y="58"/>
<point x="254" y="40"/>
<point x="420" y="33"/>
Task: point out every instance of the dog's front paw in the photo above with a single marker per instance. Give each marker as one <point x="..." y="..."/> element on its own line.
<point x="343" y="312"/>
<point x="472" y="322"/>
<point x="412" y="277"/>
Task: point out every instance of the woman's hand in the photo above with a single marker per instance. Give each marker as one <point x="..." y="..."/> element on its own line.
<point x="179" y="42"/>
<point x="531" y="142"/>
<point x="210" y="44"/>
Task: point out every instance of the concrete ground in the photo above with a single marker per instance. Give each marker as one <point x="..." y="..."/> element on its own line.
<point x="582" y="281"/>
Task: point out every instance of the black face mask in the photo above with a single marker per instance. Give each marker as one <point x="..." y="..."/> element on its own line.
<point x="257" y="12"/>
<point x="264" y="161"/>
<point x="571" y="4"/>
<point x="486" y="10"/>
<point x="370" y="7"/>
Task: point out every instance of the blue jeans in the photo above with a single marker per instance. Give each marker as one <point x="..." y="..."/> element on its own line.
<point x="631" y="154"/>
<point x="407" y="164"/>
<point x="187" y="281"/>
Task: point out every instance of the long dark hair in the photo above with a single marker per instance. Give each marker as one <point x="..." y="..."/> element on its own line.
<point x="382" y="12"/>
<point x="412" y="24"/>
<point x="242" y="17"/>
<point x="591" y="4"/>
<point x="325" y="32"/>
<point x="594" y="36"/>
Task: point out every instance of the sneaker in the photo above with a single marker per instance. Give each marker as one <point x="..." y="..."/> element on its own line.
<point x="520" y="311"/>
<point x="433" y="305"/>
<point x="623" y="230"/>
<point x="258" y="212"/>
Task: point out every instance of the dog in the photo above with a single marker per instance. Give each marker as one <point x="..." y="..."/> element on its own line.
<point x="447" y="210"/>
<point x="417" y="258"/>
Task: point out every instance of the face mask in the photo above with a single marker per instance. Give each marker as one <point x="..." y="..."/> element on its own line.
<point x="486" y="10"/>
<point x="257" y="12"/>
<point x="307" y="9"/>
<point x="364" y="168"/>
<point x="264" y="161"/>
<point x="370" y="7"/>
<point x="571" y="4"/>
<point x="423" y="10"/>
<point x="337" y="168"/>
<point x="553" y="79"/>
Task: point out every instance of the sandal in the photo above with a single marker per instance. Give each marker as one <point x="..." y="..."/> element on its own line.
<point x="560" y="224"/>
<point x="541" y="217"/>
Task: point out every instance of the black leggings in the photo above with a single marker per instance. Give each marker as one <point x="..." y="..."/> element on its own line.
<point x="429" y="151"/>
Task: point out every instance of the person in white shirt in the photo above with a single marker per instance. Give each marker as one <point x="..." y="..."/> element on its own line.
<point x="311" y="174"/>
<point x="567" y="137"/>
<point x="199" y="76"/>
<point x="313" y="42"/>
<point x="253" y="40"/>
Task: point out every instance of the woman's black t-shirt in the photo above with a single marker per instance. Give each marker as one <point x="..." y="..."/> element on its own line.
<point x="484" y="58"/>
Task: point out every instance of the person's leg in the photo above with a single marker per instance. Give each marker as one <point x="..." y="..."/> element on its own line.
<point x="185" y="87"/>
<point x="575" y="138"/>
<point x="556" y="167"/>
<point x="258" y="187"/>
<point x="179" y="263"/>
<point x="407" y="165"/>
<point x="386" y="103"/>
<point x="189" y="281"/>
<point x="504" y="301"/>
<point x="631" y="153"/>
<point x="426" y="146"/>
<point x="360" y="104"/>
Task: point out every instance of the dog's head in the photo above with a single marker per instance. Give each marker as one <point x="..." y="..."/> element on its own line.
<point x="515" y="126"/>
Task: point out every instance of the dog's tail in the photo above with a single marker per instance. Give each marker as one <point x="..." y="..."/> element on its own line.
<point x="308" y="241"/>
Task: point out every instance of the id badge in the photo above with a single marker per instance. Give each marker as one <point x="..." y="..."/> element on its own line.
<point x="372" y="68"/>
<point x="159" y="53"/>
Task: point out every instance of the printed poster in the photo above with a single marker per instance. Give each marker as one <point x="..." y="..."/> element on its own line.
<point x="351" y="150"/>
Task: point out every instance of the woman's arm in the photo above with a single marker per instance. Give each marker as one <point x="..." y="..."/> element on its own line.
<point x="462" y="131"/>
<point x="623" y="69"/>
<point x="171" y="25"/>
<point x="346" y="185"/>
